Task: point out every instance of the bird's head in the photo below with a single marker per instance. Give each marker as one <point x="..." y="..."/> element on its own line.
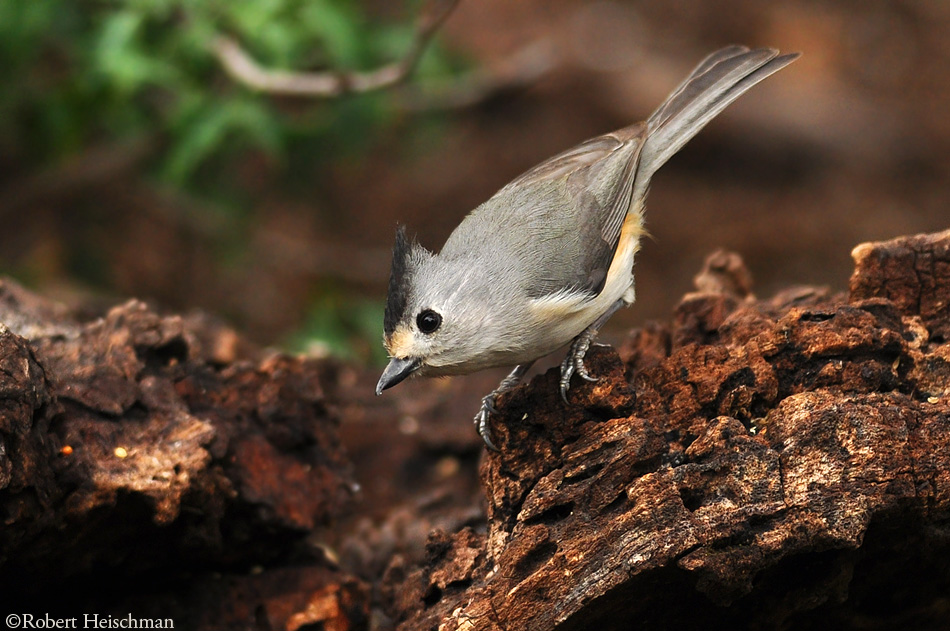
<point x="436" y="317"/>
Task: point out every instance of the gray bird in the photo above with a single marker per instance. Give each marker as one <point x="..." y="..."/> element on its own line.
<point x="549" y="258"/>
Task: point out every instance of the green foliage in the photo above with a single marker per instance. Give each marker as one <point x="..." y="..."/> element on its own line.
<point x="80" y="72"/>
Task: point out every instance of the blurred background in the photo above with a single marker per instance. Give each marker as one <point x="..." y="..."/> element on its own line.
<point x="132" y="164"/>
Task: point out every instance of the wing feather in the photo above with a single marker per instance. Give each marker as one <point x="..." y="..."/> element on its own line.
<point x="572" y="209"/>
<point x="554" y="230"/>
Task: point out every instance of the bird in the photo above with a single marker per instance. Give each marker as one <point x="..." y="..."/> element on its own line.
<point x="549" y="258"/>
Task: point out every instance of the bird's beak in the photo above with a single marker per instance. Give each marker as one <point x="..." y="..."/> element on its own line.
<point x="397" y="370"/>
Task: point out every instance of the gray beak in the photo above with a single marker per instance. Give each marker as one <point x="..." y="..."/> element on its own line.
<point x="397" y="370"/>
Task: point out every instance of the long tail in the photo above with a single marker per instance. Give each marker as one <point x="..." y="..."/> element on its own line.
<point x="717" y="81"/>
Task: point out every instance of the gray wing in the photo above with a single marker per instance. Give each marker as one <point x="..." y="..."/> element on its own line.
<point x="556" y="228"/>
<point x="560" y="222"/>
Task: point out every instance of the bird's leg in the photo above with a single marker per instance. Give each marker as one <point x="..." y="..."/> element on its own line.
<point x="488" y="403"/>
<point x="574" y="361"/>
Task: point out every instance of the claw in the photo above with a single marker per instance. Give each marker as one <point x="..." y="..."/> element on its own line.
<point x="488" y="403"/>
<point x="574" y="363"/>
<point x="481" y="420"/>
<point x="582" y="371"/>
<point x="567" y="371"/>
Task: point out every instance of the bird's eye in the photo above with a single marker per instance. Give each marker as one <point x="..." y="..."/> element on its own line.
<point x="428" y="321"/>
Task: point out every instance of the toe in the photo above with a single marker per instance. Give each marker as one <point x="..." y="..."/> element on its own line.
<point x="567" y="371"/>
<point x="565" y="384"/>
<point x="581" y="369"/>
<point x="586" y="376"/>
<point x="485" y="433"/>
<point x="481" y="420"/>
<point x="486" y="438"/>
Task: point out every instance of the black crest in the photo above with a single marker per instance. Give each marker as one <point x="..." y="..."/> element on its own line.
<point x="398" y="282"/>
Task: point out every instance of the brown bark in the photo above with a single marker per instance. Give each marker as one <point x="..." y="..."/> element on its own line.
<point x="138" y="448"/>
<point x="778" y="463"/>
<point x="768" y="464"/>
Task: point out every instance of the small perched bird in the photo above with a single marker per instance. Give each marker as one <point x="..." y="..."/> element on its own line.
<point x="549" y="258"/>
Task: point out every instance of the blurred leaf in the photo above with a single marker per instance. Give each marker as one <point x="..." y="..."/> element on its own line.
<point x="336" y="25"/>
<point x="120" y="55"/>
<point x="21" y="22"/>
<point x="212" y="124"/>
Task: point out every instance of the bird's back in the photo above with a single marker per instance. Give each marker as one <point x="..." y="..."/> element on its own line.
<point x="557" y="224"/>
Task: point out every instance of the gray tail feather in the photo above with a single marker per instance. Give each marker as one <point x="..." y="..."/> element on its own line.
<point x="717" y="81"/>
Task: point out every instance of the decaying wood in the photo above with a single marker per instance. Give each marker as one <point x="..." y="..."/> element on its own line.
<point x="135" y="446"/>
<point x="770" y="464"/>
<point x="757" y="463"/>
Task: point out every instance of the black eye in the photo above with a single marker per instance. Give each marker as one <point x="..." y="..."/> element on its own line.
<point x="428" y="321"/>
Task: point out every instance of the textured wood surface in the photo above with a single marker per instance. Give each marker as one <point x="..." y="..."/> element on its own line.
<point x="769" y="464"/>
<point x="756" y="463"/>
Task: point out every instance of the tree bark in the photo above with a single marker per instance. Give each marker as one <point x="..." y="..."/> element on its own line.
<point x="777" y="463"/>
<point x="137" y="449"/>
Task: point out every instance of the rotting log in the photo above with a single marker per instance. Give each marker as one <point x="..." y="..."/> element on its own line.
<point x="780" y="463"/>
<point x="139" y="451"/>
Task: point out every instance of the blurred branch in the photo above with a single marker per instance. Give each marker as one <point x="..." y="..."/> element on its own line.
<point x="523" y="67"/>
<point x="244" y="69"/>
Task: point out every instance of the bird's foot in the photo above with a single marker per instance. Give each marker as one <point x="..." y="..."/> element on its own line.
<point x="574" y="361"/>
<point x="488" y="403"/>
<point x="481" y="420"/>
